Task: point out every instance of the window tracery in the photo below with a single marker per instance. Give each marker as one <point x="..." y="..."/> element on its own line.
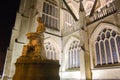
<point x="51" y="52"/>
<point x="68" y="21"/>
<point x="74" y="55"/>
<point x="107" y="48"/>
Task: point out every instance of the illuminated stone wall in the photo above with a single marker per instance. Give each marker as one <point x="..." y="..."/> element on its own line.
<point x="61" y="42"/>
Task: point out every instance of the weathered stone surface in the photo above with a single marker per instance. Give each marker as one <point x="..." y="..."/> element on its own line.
<point x="29" y="69"/>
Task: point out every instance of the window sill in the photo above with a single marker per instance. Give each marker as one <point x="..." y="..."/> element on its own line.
<point x="73" y="69"/>
<point x="106" y="67"/>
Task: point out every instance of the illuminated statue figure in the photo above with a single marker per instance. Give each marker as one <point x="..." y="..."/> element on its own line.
<point x="35" y="47"/>
<point x="41" y="26"/>
<point x="33" y="62"/>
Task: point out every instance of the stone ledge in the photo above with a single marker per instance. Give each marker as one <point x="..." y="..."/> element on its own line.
<point x="28" y="69"/>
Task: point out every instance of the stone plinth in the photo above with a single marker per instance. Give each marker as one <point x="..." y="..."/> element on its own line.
<point x="28" y="69"/>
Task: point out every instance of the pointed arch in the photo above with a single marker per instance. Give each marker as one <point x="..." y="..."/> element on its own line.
<point x="102" y="26"/>
<point x="69" y="41"/>
<point x="72" y="53"/>
<point x="52" y="49"/>
<point x="102" y="41"/>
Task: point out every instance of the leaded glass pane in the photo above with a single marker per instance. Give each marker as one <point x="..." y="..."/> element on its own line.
<point x="50" y="12"/>
<point x="107" y="47"/>
<point x="43" y="18"/>
<point x="47" y="8"/>
<point x="98" y="38"/>
<point x="55" y="12"/>
<point x="103" y="36"/>
<point x="53" y="9"/>
<point x="97" y="53"/>
<point x="102" y="52"/>
<point x="113" y="33"/>
<point x="73" y="55"/>
<point x="118" y="44"/>
<point x="108" y="34"/>
<point x="69" y="60"/>
<point x="55" y="55"/>
<point x="49" y="21"/>
<point x="50" y="9"/>
<point x="78" y="52"/>
<point x="48" y="54"/>
<point x="113" y="50"/>
<point x="56" y="24"/>
<point x="104" y="30"/>
<point x="46" y="22"/>
<point x="44" y="7"/>
<point x="74" y="58"/>
<point x="52" y="22"/>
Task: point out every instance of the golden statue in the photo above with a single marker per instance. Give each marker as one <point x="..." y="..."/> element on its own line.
<point x="41" y="26"/>
<point x="35" y="47"/>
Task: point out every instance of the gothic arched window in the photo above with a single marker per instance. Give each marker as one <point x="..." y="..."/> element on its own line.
<point x="107" y="48"/>
<point x="51" y="52"/>
<point x="50" y="14"/>
<point x="74" y="55"/>
<point x="68" y="20"/>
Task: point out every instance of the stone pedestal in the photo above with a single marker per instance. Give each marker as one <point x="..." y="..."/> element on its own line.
<point x="33" y="64"/>
<point x="28" y="69"/>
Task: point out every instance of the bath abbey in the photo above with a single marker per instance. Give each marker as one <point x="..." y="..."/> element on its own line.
<point x="83" y="35"/>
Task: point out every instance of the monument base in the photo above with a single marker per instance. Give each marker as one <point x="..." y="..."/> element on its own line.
<point x="28" y="69"/>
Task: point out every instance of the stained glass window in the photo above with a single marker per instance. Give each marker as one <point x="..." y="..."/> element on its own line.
<point x="51" y="52"/>
<point x="102" y="52"/>
<point x="114" y="53"/>
<point x="107" y="47"/>
<point x="74" y="55"/>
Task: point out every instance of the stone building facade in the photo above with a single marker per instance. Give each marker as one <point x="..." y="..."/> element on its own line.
<point x="84" y="38"/>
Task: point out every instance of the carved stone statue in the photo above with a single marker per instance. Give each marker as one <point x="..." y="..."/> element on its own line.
<point x="35" y="47"/>
<point x="41" y="26"/>
<point x="33" y="64"/>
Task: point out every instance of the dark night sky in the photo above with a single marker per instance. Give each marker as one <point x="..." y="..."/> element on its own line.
<point x="8" y="9"/>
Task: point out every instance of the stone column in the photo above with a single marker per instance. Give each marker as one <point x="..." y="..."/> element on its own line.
<point x="85" y="67"/>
